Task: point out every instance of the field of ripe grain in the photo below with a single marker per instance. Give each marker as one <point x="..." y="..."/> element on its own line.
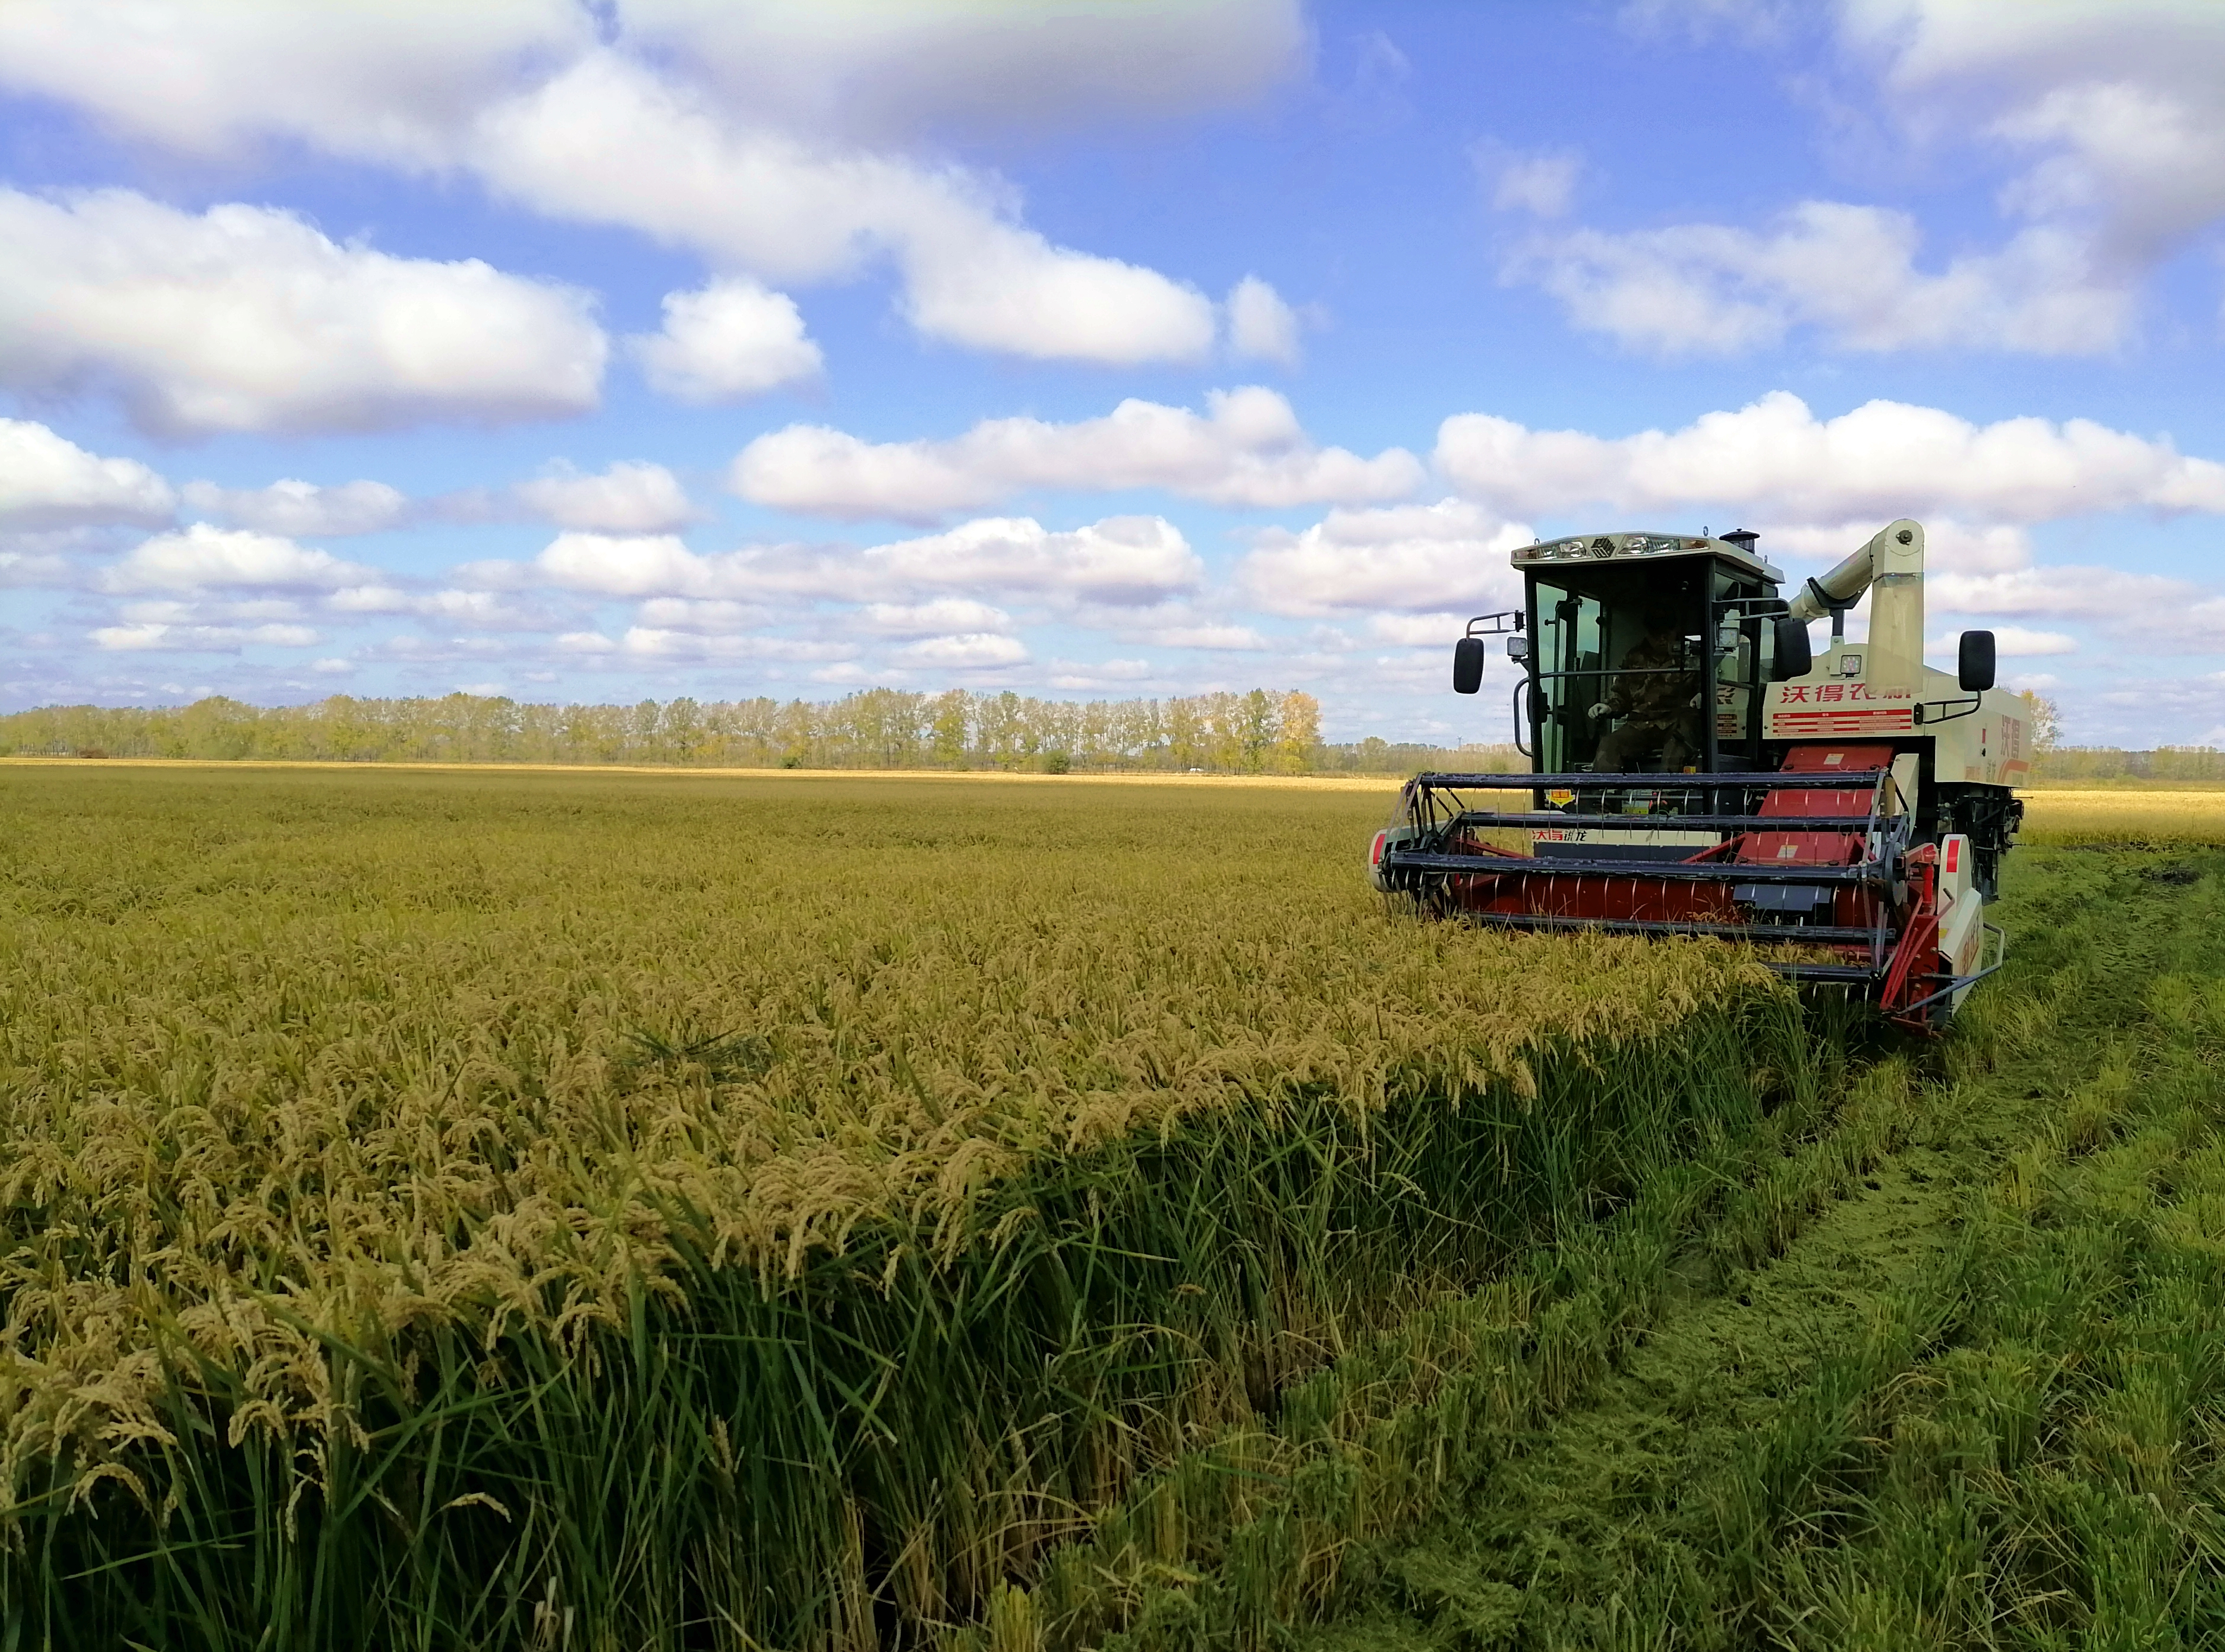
<point x="2164" y="815"/>
<point x="455" y="1209"/>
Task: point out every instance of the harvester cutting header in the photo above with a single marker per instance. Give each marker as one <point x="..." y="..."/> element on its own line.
<point x="1698" y="769"/>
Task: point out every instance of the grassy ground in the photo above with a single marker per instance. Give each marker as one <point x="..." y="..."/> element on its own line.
<point x="1940" y="1366"/>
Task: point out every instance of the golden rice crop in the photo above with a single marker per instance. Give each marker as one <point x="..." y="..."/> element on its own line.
<point x="892" y="1169"/>
<point x="2164" y="814"/>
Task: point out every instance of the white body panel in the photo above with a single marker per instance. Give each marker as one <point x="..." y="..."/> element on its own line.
<point x="1843" y="699"/>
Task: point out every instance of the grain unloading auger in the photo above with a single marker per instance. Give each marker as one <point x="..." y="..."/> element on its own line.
<point x="1697" y="769"/>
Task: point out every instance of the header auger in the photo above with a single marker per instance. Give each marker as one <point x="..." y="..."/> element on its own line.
<point x="1698" y="769"/>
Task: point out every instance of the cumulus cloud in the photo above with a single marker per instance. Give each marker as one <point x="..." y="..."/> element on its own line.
<point x="485" y="610"/>
<point x="2121" y="109"/>
<point x="2011" y="642"/>
<point x="1246" y="449"/>
<point x="1414" y="557"/>
<point x="713" y="618"/>
<point x="943" y="617"/>
<point x="879" y="73"/>
<point x="294" y="508"/>
<point x="629" y="498"/>
<point x="47" y="482"/>
<point x="245" y="317"/>
<point x="968" y="651"/>
<point x="607" y="141"/>
<point x="746" y="133"/>
<point x="1881" y="460"/>
<point x="361" y="77"/>
<point x="1121" y="562"/>
<point x="1850" y="271"/>
<point x="651" y="644"/>
<point x="1538" y="181"/>
<point x="153" y="635"/>
<point x="201" y="557"/>
<point x="1260" y="324"/>
<point x="1236" y="639"/>
<point x="732" y="339"/>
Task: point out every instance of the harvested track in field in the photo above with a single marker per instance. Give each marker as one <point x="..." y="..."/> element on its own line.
<point x="1767" y="1464"/>
<point x="1618" y="1485"/>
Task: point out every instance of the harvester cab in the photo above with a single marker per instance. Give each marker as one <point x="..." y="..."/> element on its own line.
<point x="1697" y="767"/>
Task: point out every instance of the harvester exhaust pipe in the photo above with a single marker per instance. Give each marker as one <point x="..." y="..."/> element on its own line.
<point x="1890" y="567"/>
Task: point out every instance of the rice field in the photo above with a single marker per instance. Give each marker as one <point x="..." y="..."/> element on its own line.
<point x="479" y="1209"/>
<point x="2161" y="815"/>
<point x="472" y="1209"/>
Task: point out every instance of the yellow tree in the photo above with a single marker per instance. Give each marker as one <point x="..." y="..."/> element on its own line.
<point x="1298" y="741"/>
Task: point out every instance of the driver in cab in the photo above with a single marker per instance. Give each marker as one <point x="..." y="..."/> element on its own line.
<point x="1657" y="696"/>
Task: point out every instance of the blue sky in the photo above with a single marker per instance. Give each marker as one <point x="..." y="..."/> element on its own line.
<point x="656" y="347"/>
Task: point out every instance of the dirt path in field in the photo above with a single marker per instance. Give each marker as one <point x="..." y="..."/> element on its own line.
<point x="1587" y="1524"/>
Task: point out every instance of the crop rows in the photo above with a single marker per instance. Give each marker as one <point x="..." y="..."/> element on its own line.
<point x="442" y="1211"/>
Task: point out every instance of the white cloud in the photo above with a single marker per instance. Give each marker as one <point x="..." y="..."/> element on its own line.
<point x="710" y="617"/>
<point x="47" y="482"/>
<point x="973" y="650"/>
<point x="649" y="643"/>
<point x="633" y="564"/>
<point x="245" y="317"/>
<point x="363" y="78"/>
<point x="1414" y="557"/>
<point x="732" y="339"/>
<point x="19" y="569"/>
<point x="1235" y="639"/>
<point x="2010" y="642"/>
<point x="201" y="558"/>
<point x="2145" y="613"/>
<point x="605" y="142"/>
<point x="2123" y="104"/>
<point x="1881" y="460"/>
<point x="2123" y="108"/>
<point x="199" y="639"/>
<point x="629" y="498"/>
<point x="762" y="138"/>
<point x="1950" y="545"/>
<point x="1538" y="181"/>
<point x="292" y="507"/>
<point x="874" y="72"/>
<point x="1709" y="288"/>
<point x="943" y="617"/>
<point x="1123" y="561"/>
<point x="1117" y="677"/>
<point x="1248" y="449"/>
<point x="2107" y="594"/>
<point x="1120" y="562"/>
<point x="1417" y="630"/>
<point x="1260" y="324"/>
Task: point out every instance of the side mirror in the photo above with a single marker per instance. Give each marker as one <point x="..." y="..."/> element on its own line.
<point x="1518" y="647"/>
<point x="1974" y="668"/>
<point x="1792" y="657"/>
<point x="1468" y="665"/>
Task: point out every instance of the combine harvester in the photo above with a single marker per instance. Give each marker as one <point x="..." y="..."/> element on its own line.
<point x="1696" y="771"/>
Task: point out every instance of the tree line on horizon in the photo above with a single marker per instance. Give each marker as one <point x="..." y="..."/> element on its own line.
<point x="1258" y="732"/>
